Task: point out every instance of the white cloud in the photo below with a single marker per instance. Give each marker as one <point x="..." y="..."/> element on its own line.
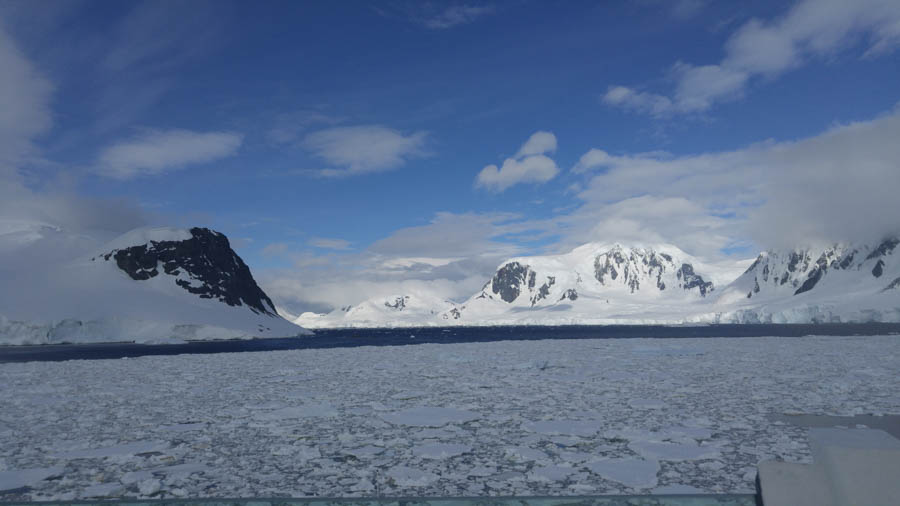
<point x="326" y="243"/>
<point x="811" y="29"/>
<point x="637" y="100"/>
<point x="538" y="144"/>
<point x="530" y="165"/>
<point x="364" y="149"/>
<point x="452" y="255"/>
<point x="24" y="102"/>
<point x="156" y="151"/>
<point x="839" y="185"/>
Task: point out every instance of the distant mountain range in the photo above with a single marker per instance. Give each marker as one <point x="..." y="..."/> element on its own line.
<point x="160" y="284"/>
<point x="149" y="285"/>
<point x="601" y="283"/>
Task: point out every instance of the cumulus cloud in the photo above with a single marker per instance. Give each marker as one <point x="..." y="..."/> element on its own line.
<point x="839" y="185"/>
<point x="811" y="29"/>
<point x="158" y="151"/>
<point x="451" y="257"/>
<point x="363" y="149"/>
<point x="529" y="165"/>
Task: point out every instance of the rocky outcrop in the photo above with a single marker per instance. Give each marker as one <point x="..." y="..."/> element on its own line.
<point x="509" y="280"/>
<point x="204" y="265"/>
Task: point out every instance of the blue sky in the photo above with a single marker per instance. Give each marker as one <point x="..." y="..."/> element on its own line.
<point x="356" y="148"/>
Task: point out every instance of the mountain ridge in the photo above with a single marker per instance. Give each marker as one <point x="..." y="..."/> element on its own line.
<point x="606" y="283"/>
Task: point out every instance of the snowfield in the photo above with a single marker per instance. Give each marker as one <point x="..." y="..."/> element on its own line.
<point x="503" y="418"/>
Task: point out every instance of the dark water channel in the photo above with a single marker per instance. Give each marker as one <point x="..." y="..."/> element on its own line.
<point x="348" y="338"/>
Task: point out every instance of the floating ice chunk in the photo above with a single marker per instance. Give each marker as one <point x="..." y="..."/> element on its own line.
<point x="103" y="490"/>
<point x="304" y="411"/>
<point x="428" y="416"/>
<point x="673" y="451"/>
<point x="564" y="427"/>
<point x="182" y="470"/>
<point x="119" y="450"/>
<point x="17" y="478"/>
<point x="646" y="404"/>
<point x="408" y="477"/>
<point x="183" y="427"/>
<point x="524" y="454"/>
<point x="687" y="432"/>
<point x="551" y="473"/>
<point x="632" y="473"/>
<point x="364" y="451"/>
<point x="135" y="476"/>
<point x="149" y="486"/>
<point x="440" y="450"/>
<point x="481" y="471"/>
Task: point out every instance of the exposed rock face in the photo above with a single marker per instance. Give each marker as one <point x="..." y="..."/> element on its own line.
<point x="692" y="280"/>
<point x="570" y="294"/>
<point x="885" y="248"/>
<point x="797" y="271"/>
<point x="544" y="291"/>
<point x="549" y="280"/>
<point x="398" y="304"/>
<point x="509" y="279"/>
<point x="639" y="265"/>
<point x="204" y="265"/>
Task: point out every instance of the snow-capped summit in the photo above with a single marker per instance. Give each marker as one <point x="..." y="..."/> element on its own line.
<point x="597" y="269"/>
<point x="594" y="283"/>
<point x="150" y="284"/>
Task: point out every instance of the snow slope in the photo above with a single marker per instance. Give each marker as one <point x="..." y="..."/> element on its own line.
<point x="839" y="282"/>
<point x="149" y="285"/>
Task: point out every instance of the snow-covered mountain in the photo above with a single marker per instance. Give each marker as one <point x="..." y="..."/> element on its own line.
<point x="840" y="282"/>
<point x="401" y="310"/>
<point x="594" y="283"/>
<point x="600" y="283"/>
<point x="151" y="284"/>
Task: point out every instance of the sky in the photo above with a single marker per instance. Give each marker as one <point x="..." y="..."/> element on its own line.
<point x="361" y="149"/>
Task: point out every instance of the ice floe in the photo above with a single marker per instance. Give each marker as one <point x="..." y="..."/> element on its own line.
<point x="431" y="420"/>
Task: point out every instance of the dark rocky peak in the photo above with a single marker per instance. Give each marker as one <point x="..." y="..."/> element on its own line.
<point x="691" y="280"/>
<point x="398" y="303"/>
<point x="204" y="265"/>
<point x="509" y="280"/>
<point x="885" y="248"/>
